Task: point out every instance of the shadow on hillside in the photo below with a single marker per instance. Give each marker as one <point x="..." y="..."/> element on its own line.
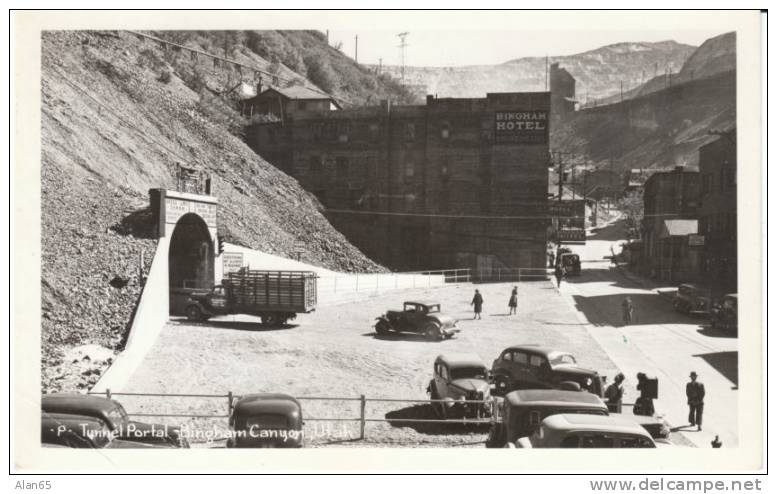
<point x="727" y="363"/>
<point x="425" y="412"/>
<point x="138" y="224"/>
<point x="649" y="308"/>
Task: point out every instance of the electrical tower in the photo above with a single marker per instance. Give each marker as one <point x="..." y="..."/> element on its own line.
<point x="402" y="45"/>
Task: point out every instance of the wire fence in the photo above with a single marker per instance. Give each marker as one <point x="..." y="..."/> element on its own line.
<point x="484" y="410"/>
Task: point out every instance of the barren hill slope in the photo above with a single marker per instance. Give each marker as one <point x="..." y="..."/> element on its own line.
<point x="117" y="115"/>
<point x="598" y="72"/>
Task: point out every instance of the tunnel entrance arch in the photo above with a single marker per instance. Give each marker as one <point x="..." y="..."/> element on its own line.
<point x="191" y="255"/>
<point x="187" y="229"/>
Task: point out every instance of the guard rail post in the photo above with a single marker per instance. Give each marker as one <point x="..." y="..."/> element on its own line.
<point x="229" y="403"/>
<point x="363" y="421"/>
<point x="108" y="393"/>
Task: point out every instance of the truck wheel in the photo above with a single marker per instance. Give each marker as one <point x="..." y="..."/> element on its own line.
<point x="270" y="320"/>
<point x="193" y="313"/>
<point x="382" y="327"/>
<point x="432" y="332"/>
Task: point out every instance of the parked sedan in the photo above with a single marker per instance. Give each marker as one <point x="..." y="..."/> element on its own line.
<point x="458" y="380"/>
<point x="536" y="367"/>
<point x="113" y="416"/>
<point x="587" y="431"/>
<point x="418" y="317"/>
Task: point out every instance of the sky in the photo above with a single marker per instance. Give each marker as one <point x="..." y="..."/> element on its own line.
<point x="440" y="48"/>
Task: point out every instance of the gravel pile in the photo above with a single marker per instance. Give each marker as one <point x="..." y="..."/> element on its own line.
<point x="117" y="116"/>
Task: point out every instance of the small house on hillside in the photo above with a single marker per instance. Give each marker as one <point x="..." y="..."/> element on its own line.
<point x="283" y="102"/>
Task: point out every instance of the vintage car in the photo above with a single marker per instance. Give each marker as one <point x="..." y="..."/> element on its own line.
<point x="692" y="299"/>
<point x="112" y="414"/>
<point x="266" y="420"/>
<point x="458" y="380"/>
<point x="570" y="262"/>
<point x="418" y="317"/>
<point x="657" y="427"/>
<point x="81" y="431"/>
<point x="520" y="413"/>
<point x="724" y="313"/>
<point x="536" y="367"/>
<point x="586" y="431"/>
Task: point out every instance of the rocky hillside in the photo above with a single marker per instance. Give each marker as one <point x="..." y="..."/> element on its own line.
<point x="118" y="113"/>
<point x="302" y="56"/>
<point x="598" y="72"/>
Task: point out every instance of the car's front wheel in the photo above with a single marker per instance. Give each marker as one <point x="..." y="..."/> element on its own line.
<point x="382" y="328"/>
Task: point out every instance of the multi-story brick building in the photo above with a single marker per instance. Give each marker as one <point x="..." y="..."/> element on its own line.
<point x="670" y="225"/>
<point x="453" y="183"/>
<point x="718" y="211"/>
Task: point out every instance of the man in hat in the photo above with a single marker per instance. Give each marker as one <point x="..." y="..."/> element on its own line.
<point x="694" y="390"/>
<point x="614" y="394"/>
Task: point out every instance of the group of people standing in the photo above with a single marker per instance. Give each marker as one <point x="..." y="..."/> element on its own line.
<point x="648" y="391"/>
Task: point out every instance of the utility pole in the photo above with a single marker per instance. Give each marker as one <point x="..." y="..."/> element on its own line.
<point x="380" y="66"/>
<point x="402" y="45"/>
<point x="547" y="74"/>
<point x="356" y="50"/>
<point x="327" y="37"/>
<point x="621" y="91"/>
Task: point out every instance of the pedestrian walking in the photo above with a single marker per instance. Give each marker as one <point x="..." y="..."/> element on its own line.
<point x="513" y="303"/>
<point x="614" y="394"/>
<point x="477" y="302"/>
<point x="628" y="310"/>
<point x="694" y="391"/>
<point x="559" y="273"/>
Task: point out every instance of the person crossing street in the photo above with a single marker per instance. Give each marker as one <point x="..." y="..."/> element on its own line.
<point x="477" y="302"/>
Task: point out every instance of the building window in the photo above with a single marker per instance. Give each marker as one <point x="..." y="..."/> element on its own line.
<point x="315" y="165"/>
<point x="342" y="135"/>
<point x="445" y="130"/>
<point x="341" y="167"/>
<point x="374" y="130"/>
<point x="444" y="169"/>
<point x="409" y="170"/>
<point x="410" y="131"/>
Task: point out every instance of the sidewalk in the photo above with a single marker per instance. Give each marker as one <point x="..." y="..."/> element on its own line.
<point x="661" y="346"/>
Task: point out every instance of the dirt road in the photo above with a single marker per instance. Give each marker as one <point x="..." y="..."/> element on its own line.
<point x="334" y="352"/>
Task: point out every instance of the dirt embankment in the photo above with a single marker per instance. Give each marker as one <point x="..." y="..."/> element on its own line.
<point x="117" y="115"/>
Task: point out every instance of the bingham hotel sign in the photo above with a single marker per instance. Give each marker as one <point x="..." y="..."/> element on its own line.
<point x="521" y="127"/>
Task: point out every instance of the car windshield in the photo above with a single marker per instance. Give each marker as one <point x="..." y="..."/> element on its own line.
<point x="469" y="373"/>
<point x="558" y="358"/>
<point x="432" y="308"/>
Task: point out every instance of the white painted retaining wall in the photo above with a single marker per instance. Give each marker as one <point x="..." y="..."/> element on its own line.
<point x="153" y="311"/>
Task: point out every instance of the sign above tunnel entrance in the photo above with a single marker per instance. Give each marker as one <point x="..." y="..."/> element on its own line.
<point x="169" y="206"/>
<point x="521" y="127"/>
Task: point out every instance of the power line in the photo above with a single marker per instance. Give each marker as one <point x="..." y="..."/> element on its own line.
<point x="449" y="216"/>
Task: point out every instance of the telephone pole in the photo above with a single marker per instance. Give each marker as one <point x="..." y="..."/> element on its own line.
<point x="356" y="50"/>
<point x="402" y="45"/>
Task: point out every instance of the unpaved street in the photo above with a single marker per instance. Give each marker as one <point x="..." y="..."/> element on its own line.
<point x="334" y="352"/>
